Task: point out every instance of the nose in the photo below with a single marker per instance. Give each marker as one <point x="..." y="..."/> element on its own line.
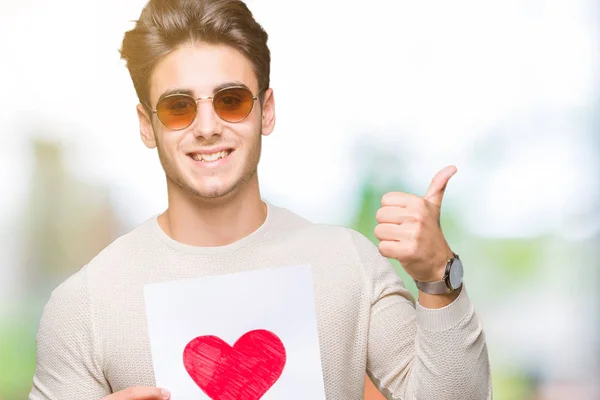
<point x="207" y="122"/>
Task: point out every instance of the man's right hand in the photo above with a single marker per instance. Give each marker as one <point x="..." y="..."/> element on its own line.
<point x="140" y="393"/>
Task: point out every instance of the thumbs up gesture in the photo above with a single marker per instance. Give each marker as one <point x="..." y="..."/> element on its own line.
<point x="409" y="229"/>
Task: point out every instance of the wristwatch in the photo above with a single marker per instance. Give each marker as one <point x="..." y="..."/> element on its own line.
<point x="453" y="279"/>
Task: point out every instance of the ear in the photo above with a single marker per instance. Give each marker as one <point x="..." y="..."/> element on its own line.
<point x="146" y="129"/>
<point x="268" y="112"/>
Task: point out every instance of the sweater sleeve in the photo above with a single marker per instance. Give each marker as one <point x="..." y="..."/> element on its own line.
<point x="418" y="353"/>
<point x="66" y="366"/>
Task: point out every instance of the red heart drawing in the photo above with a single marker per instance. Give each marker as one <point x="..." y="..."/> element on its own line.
<point x="242" y="372"/>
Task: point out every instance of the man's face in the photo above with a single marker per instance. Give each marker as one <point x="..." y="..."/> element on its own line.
<point x="184" y="154"/>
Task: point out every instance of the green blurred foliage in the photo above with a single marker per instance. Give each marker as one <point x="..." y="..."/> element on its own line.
<point x="511" y="386"/>
<point x="17" y="352"/>
<point x="519" y="259"/>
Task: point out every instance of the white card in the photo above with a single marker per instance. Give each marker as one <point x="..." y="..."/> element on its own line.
<point x="194" y="325"/>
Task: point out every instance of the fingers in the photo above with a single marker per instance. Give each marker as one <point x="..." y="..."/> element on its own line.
<point x="394" y="215"/>
<point x="140" y="393"/>
<point x="397" y="250"/>
<point x="392" y="232"/>
<point x="399" y="199"/>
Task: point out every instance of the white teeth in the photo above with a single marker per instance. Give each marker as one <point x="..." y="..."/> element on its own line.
<point x="210" y="157"/>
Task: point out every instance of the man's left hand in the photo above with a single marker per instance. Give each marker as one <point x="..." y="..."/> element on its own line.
<point x="409" y="229"/>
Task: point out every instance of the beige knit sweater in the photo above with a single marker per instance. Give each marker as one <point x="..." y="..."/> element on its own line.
<point x="93" y="339"/>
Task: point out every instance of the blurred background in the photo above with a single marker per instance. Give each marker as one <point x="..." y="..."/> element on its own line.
<point x="371" y="97"/>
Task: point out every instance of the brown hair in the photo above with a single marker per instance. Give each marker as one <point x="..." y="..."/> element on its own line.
<point x="165" y="25"/>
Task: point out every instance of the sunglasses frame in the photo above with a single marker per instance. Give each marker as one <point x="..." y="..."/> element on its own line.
<point x="196" y="100"/>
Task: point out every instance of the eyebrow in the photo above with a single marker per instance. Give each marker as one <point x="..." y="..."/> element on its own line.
<point x="190" y="92"/>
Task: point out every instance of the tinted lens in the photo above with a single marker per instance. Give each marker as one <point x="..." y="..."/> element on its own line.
<point x="233" y="104"/>
<point x="176" y="111"/>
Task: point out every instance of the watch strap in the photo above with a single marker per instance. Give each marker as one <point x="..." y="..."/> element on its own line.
<point x="441" y="286"/>
<point x="438" y="287"/>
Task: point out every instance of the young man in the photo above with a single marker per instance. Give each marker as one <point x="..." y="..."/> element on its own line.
<point x="201" y="71"/>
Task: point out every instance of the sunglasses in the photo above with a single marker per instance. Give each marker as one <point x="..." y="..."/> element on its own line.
<point x="178" y="111"/>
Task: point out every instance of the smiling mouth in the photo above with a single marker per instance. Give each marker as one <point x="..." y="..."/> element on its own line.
<point x="206" y="157"/>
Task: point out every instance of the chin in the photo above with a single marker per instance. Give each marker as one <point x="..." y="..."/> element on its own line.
<point x="211" y="188"/>
<point x="212" y="192"/>
<point x="214" y="195"/>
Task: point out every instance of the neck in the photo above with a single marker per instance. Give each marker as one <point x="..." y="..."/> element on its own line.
<point x="214" y="222"/>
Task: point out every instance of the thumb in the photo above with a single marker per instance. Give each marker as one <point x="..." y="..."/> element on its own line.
<point x="436" y="190"/>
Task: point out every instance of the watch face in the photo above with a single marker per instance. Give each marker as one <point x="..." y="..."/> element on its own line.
<point x="456" y="274"/>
